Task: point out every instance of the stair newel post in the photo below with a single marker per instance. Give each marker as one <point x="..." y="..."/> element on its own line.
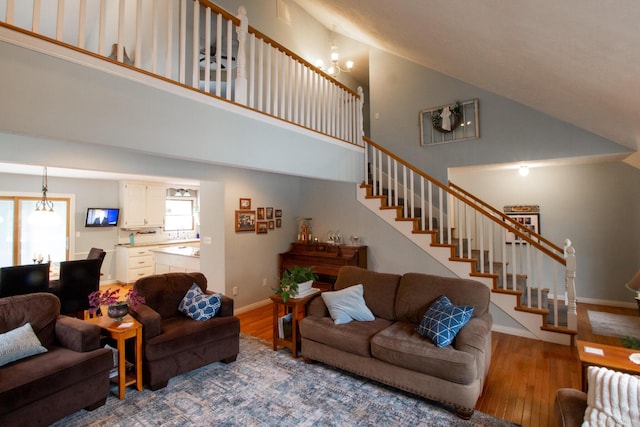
<point x="570" y="283"/>
<point x="241" y="72"/>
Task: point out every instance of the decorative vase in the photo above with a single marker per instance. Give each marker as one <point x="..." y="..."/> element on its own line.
<point x="118" y="311"/>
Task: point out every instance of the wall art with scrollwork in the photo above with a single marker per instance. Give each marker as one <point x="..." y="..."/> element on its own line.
<point x="451" y="122"/>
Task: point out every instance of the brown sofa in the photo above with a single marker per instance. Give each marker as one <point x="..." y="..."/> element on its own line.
<point x="570" y="406"/>
<point x="389" y="350"/>
<point x="174" y="343"/>
<point x="72" y="374"/>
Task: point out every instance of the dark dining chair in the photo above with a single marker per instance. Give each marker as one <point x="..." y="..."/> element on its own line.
<point x="24" y="279"/>
<point x="77" y="280"/>
<point x="97" y="253"/>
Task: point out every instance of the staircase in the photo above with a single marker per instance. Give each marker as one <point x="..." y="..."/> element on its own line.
<point x="469" y="237"/>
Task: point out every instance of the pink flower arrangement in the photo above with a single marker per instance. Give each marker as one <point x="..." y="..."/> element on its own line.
<point x="111" y="297"/>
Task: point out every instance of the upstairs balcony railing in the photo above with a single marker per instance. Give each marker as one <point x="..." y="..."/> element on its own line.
<point x="197" y="44"/>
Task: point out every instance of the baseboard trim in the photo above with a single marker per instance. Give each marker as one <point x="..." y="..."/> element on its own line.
<point x="607" y="302"/>
<point x="250" y="307"/>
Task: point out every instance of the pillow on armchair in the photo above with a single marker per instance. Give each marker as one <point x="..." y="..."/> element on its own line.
<point x="198" y="305"/>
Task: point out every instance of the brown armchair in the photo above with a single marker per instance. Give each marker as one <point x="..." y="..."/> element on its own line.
<point x="174" y="343"/>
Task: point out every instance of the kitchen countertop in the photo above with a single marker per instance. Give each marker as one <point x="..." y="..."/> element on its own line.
<point x="163" y="243"/>
<point x="179" y="250"/>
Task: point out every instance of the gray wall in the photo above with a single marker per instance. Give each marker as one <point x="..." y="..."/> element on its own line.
<point x="509" y="132"/>
<point x="333" y="207"/>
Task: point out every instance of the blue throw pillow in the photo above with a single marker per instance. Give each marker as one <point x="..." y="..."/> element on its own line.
<point x="198" y="305"/>
<point x="442" y="321"/>
<point x="19" y="343"/>
<point x="347" y="304"/>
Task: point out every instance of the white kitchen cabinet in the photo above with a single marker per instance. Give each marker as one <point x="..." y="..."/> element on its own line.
<point x="142" y="204"/>
<point x="133" y="263"/>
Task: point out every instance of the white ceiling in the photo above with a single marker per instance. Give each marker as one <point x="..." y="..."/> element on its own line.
<point x="577" y="60"/>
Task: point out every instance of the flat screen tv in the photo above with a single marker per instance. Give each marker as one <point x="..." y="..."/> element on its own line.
<point x="102" y="217"/>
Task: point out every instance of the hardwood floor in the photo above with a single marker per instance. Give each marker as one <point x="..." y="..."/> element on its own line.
<point x="524" y="373"/>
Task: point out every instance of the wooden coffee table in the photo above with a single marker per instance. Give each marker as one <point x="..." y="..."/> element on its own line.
<point x="607" y="356"/>
<point x="115" y="331"/>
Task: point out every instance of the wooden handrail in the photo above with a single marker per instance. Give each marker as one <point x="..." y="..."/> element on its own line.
<point x="221" y="11"/>
<point x="301" y="60"/>
<point x="275" y="44"/>
<point x="480" y="209"/>
<point x="506" y="217"/>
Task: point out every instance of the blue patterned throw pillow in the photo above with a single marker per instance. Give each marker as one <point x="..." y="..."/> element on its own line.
<point x="198" y="305"/>
<point x="442" y="321"/>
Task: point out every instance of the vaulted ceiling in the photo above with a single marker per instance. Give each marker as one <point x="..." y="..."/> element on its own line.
<point x="576" y="60"/>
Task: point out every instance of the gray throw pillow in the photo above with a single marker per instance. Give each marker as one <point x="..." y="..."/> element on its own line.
<point x="347" y="304"/>
<point x="19" y="343"/>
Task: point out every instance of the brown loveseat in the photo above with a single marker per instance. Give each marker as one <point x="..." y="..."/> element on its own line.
<point x="389" y="350"/>
<point x="72" y="374"/>
<point x="174" y="343"/>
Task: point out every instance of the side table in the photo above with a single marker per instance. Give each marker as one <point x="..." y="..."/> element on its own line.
<point x="297" y="307"/>
<point x="607" y="356"/>
<point x="120" y="334"/>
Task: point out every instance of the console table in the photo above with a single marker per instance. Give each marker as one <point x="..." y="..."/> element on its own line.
<point x="607" y="356"/>
<point x="325" y="258"/>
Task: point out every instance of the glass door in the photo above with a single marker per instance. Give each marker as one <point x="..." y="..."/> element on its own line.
<point x="43" y="234"/>
<point x="6" y="231"/>
<point x="27" y="236"/>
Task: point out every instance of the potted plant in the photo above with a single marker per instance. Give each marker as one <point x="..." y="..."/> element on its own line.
<point x="291" y="278"/>
<point x="117" y="307"/>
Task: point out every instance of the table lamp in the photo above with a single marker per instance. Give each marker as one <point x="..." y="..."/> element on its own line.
<point x="634" y="286"/>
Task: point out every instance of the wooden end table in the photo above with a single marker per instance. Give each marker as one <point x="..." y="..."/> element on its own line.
<point x="606" y="356"/>
<point x="121" y="334"/>
<point x="297" y="307"/>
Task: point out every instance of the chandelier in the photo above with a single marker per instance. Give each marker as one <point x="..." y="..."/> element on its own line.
<point x="44" y="205"/>
<point x="335" y="68"/>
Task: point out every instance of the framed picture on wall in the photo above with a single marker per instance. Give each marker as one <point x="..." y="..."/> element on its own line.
<point x="278" y="213"/>
<point x="278" y="222"/>
<point x="245" y="220"/>
<point x="245" y="204"/>
<point x="269" y="213"/>
<point x="261" y="227"/>
<point x="527" y="218"/>
<point x="260" y="214"/>
<point x="271" y="225"/>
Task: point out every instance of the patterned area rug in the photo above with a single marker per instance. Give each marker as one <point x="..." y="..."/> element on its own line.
<point x="269" y="388"/>
<point x="614" y="325"/>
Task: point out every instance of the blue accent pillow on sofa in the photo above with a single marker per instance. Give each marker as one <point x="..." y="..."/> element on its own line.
<point x="198" y="305"/>
<point x="347" y="304"/>
<point x="442" y="321"/>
